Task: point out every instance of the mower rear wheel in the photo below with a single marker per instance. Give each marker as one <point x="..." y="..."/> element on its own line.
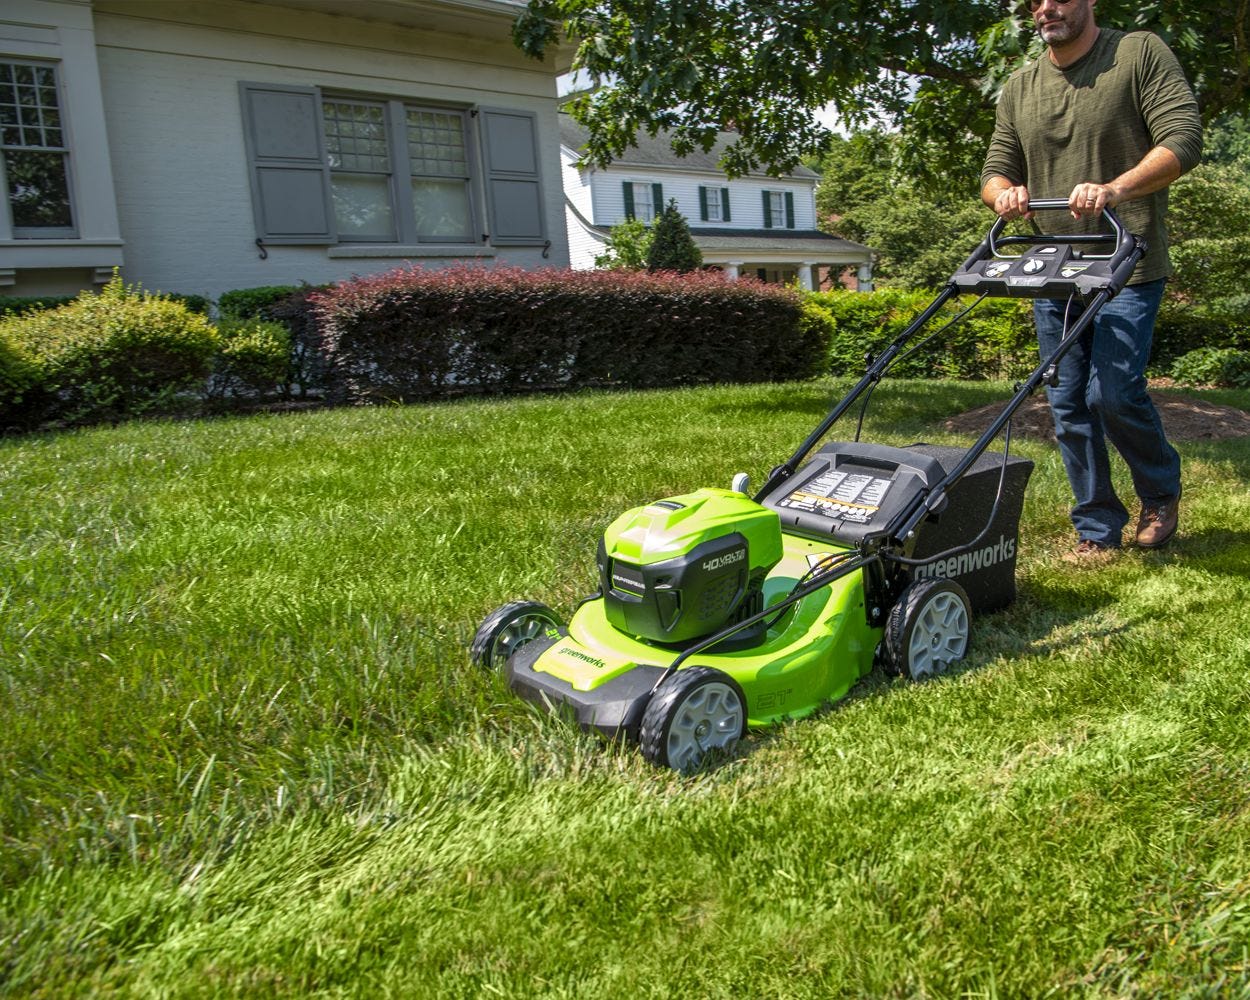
<point x="507" y="629"/>
<point x="928" y="628"/>
<point x="693" y="712"/>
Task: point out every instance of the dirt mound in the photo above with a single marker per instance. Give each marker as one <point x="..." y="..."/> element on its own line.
<point x="1184" y="419"/>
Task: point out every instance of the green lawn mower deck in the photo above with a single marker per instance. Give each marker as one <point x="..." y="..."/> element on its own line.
<point x="718" y="611"/>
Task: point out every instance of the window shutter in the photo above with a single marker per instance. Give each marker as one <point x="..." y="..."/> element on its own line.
<point x="703" y="203"/>
<point x="289" y="174"/>
<point x="627" y="190"/>
<point x="789" y="209"/>
<point x="657" y="199"/>
<point x="724" y="204"/>
<point x="768" y="211"/>
<point x="514" y="191"/>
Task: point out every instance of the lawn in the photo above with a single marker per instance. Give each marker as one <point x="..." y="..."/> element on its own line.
<point x="243" y="751"/>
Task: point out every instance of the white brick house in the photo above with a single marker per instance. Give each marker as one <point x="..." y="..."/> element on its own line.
<point x="756" y="225"/>
<point x="207" y="146"/>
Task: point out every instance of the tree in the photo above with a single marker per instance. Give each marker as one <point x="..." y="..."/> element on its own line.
<point x="672" y="247"/>
<point x="627" y="247"/>
<point x="932" y="70"/>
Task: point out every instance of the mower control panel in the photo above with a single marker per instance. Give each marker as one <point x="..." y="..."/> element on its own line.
<point x="850" y="490"/>
<point x="1051" y="266"/>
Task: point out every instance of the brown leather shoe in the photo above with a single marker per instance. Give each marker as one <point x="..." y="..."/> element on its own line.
<point x="1091" y="553"/>
<point x="1157" y="523"/>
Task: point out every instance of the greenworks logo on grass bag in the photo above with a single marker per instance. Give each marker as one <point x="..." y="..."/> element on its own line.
<point x="969" y="562"/>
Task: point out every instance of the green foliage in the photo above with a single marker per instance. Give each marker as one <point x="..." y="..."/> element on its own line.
<point x="627" y="247"/>
<point x="672" y="247"/>
<point x="917" y="243"/>
<point x="119" y="353"/>
<point x="995" y="341"/>
<point x="253" y="357"/>
<point x="932" y="71"/>
<point x="253" y="303"/>
<point x="19" y="383"/>
<point x="201" y="305"/>
<point x="1226" y="367"/>
<point x="16" y="305"/>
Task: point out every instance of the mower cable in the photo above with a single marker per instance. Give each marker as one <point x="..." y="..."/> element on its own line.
<point x="967" y="546"/>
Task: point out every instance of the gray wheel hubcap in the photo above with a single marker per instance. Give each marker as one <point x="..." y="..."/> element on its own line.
<point x="940" y="636"/>
<point x="709" y="718"/>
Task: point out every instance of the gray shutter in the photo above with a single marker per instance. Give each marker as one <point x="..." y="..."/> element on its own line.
<point x="627" y="191"/>
<point x="724" y="204"/>
<point x="514" y="190"/>
<point x="789" y="209"/>
<point x="768" y="211"/>
<point x="703" y="203"/>
<point x="657" y="200"/>
<point x="289" y="174"/>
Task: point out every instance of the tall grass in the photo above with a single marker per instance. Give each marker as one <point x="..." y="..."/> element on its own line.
<point x="242" y="751"/>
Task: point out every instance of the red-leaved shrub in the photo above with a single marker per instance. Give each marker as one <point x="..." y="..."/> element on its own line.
<point x="413" y="333"/>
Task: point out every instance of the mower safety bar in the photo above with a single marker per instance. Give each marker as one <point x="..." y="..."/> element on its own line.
<point x="1122" y="239"/>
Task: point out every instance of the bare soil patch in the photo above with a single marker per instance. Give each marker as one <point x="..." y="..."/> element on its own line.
<point x="1185" y="418"/>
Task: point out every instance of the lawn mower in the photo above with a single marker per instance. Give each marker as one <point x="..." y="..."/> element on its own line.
<point x="718" y="610"/>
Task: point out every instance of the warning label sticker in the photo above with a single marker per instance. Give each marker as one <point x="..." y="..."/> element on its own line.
<point x="845" y="496"/>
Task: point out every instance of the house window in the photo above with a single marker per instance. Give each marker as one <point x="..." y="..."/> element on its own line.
<point x="36" y="159"/>
<point x="714" y="204"/>
<point x="432" y="159"/>
<point x="439" y="165"/>
<point x="778" y="210"/>
<point x="330" y="168"/>
<point x="642" y="201"/>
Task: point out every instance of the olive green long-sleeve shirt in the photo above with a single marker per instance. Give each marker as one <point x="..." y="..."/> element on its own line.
<point x="1092" y="121"/>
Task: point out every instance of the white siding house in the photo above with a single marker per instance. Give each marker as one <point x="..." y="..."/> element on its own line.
<point x="202" y="146"/>
<point x="755" y="225"/>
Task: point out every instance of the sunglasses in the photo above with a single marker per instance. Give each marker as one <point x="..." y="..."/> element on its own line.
<point x="1035" y="5"/>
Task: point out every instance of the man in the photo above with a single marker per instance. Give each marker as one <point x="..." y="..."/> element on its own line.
<point x="1106" y="119"/>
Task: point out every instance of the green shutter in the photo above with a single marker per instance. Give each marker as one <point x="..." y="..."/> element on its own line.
<point x="703" y="203"/>
<point x="768" y="211"/>
<point x="657" y="200"/>
<point x="724" y="204"/>
<point x="627" y="192"/>
<point x="789" y="209"/>
<point x="287" y="165"/>
<point x="514" y="191"/>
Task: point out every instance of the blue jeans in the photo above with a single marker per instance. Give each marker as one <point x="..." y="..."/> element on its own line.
<point x="1102" y="397"/>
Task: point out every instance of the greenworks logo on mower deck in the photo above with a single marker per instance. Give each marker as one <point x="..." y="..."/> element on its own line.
<point x="711" y="565"/>
<point x="577" y="654"/>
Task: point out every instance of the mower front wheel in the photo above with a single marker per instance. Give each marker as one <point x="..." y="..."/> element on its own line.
<point x="693" y="712"/>
<point x="928" y="628"/>
<point x="507" y="629"/>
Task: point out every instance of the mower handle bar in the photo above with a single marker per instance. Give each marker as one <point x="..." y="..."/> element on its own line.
<point x="1119" y="236"/>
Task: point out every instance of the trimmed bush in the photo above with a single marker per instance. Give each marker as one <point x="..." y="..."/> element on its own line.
<point x="1226" y="367"/>
<point x="253" y="358"/>
<point x="253" y="303"/>
<point x="120" y="353"/>
<point x="17" y="305"/>
<point x="995" y="341"/>
<point x="414" y="334"/>
<point x="19" y="383"/>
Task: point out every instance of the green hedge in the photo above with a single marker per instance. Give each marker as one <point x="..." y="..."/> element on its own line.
<point x="995" y="341"/>
<point x="415" y="334"/>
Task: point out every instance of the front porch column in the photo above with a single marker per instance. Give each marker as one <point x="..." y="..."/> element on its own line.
<point x="864" y="276"/>
<point x="808" y="278"/>
<point x="732" y="267"/>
